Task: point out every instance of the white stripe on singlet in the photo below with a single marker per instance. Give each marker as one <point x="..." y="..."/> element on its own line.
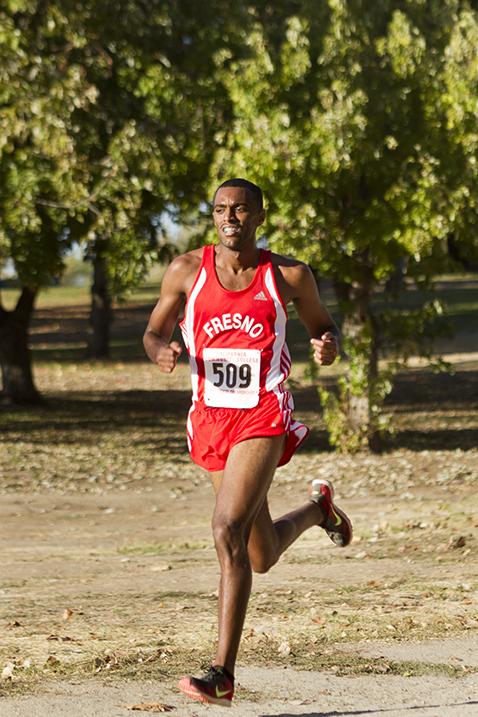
<point x="189" y="329"/>
<point x="276" y="375"/>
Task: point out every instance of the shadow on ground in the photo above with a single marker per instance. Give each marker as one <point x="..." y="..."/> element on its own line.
<point x="430" y="411"/>
<point x="348" y="713"/>
<point x="445" y="402"/>
<point x="151" y="418"/>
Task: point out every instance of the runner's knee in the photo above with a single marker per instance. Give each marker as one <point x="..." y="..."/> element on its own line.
<point x="230" y="539"/>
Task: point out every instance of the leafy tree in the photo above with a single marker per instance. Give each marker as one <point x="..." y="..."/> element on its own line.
<point x="107" y="123"/>
<point x="147" y="141"/>
<point x="121" y="146"/>
<point x="455" y="132"/>
<point x="39" y="173"/>
<point x="358" y="121"/>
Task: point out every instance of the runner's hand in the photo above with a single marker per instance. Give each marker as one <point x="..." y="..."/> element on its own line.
<point x="167" y="356"/>
<point x="325" y="349"/>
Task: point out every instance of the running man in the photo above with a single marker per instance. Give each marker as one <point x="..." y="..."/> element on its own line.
<point x="240" y="425"/>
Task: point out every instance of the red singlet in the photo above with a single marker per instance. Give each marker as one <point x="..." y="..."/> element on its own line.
<point x="239" y="361"/>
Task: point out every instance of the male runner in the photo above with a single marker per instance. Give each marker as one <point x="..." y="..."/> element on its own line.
<point x="240" y="425"/>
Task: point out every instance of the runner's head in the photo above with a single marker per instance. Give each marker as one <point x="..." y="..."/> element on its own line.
<point x="245" y="184"/>
<point x="238" y="211"/>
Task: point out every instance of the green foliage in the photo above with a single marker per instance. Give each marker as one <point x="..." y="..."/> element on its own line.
<point x="108" y="121"/>
<point x="106" y="125"/>
<point x="40" y="173"/>
<point x="408" y="333"/>
<point x="404" y="333"/>
<point x="359" y="385"/>
<point x="359" y="122"/>
<point x="357" y="119"/>
<point x="130" y="140"/>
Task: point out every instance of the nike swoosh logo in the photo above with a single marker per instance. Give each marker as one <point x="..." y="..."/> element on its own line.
<point x="219" y="693"/>
<point x="338" y="519"/>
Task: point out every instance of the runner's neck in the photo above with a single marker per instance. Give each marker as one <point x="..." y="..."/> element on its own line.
<point x="236" y="262"/>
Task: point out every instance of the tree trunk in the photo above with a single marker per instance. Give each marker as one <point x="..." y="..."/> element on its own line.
<point x="15" y="356"/>
<point x="100" y="314"/>
<point x="360" y="333"/>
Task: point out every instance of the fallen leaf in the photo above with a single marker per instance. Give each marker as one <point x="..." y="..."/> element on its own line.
<point x="284" y="648"/>
<point x="14" y="623"/>
<point x="67" y="613"/>
<point x="456" y="542"/>
<point x="361" y="555"/>
<point x="150" y="707"/>
<point x="7" y="672"/>
<point x="52" y="661"/>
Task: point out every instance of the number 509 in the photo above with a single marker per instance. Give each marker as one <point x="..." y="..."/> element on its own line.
<point x="231" y="375"/>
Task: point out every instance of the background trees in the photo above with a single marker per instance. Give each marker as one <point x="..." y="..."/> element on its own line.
<point x="147" y="140"/>
<point x="347" y="114"/>
<point x="41" y="177"/>
<point x="108" y="123"/>
<point x="359" y="121"/>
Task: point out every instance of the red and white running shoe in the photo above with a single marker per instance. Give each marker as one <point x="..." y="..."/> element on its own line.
<point x="336" y="523"/>
<point x="215" y="687"/>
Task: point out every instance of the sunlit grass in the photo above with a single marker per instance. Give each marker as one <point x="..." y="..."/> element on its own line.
<point x="58" y="296"/>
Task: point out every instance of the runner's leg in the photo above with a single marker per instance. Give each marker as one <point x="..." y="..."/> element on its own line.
<point x="245" y="535"/>
<point x="242" y="490"/>
<point x="268" y="538"/>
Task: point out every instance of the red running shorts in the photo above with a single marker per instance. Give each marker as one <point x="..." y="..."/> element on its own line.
<point x="212" y="432"/>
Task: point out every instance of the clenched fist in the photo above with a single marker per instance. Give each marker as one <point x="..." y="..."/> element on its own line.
<point x="325" y="348"/>
<point x="167" y="356"/>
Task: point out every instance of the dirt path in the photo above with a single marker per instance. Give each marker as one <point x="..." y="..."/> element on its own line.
<point x="107" y="596"/>
<point x="278" y="692"/>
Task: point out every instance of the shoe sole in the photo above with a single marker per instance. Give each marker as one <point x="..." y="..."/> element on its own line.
<point x="337" y="537"/>
<point x="205" y="699"/>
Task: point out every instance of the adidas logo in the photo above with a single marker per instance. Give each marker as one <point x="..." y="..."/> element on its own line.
<point x="260" y="296"/>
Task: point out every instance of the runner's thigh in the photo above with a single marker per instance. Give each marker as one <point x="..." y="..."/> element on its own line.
<point x="245" y="481"/>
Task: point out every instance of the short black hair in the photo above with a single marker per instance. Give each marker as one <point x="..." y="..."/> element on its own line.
<point x="246" y="184"/>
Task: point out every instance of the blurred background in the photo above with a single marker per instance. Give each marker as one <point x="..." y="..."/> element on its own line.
<point x="359" y="122"/>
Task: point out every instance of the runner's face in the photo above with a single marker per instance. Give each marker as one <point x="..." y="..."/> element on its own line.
<point x="236" y="217"/>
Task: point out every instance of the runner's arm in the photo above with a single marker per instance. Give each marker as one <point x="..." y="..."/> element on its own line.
<point x="157" y="337"/>
<point x="313" y="313"/>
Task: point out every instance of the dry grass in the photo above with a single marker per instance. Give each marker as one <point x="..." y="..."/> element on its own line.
<point x="105" y="515"/>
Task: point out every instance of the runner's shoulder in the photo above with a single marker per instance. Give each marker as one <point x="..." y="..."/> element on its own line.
<point x="293" y="271"/>
<point x="183" y="269"/>
<point x="288" y="262"/>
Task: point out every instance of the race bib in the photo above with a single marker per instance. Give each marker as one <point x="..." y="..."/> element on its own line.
<point x="232" y="377"/>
